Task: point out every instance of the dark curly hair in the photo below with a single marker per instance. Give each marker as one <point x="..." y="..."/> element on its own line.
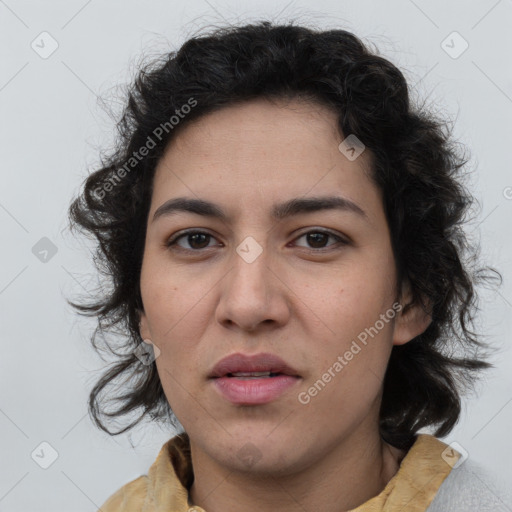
<point x="415" y="164"/>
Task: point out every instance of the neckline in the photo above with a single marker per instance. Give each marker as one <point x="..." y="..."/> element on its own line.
<point x="421" y="472"/>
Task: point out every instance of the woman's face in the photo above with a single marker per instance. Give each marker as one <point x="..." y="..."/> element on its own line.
<point x="312" y="286"/>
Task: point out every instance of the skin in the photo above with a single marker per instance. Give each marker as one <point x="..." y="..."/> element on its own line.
<point x="305" y="306"/>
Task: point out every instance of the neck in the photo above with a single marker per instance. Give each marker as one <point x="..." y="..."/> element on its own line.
<point x="342" y="478"/>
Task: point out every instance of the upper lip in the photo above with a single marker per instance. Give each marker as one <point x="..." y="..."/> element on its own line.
<point x="263" y="362"/>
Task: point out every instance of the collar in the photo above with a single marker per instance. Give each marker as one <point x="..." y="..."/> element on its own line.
<point x="422" y="471"/>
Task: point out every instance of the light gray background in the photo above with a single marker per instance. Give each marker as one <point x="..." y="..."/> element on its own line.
<point x="51" y="129"/>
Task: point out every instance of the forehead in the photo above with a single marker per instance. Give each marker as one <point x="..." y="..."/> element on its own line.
<point x="261" y="151"/>
<point x="260" y="127"/>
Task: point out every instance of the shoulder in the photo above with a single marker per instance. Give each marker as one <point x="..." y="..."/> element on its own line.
<point x="129" y="498"/>
<point x="164" y="485"/>
<point x="471" y="486"/>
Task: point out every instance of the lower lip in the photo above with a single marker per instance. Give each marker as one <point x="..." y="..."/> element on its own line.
<point x="254" y="391"/>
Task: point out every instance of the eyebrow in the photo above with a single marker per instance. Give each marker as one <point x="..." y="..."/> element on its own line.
<point x="279" y="211"/>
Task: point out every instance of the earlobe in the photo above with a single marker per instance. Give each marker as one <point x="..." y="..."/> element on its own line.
<point x="411" y="321"/>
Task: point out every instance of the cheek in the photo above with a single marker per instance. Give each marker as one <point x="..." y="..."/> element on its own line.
<point x="349" y="369"/>
<point x="347" y="309"/>
<point x="350" y="300"/>
<point x="177" y="334"/>
<point x="174" y="318"/>
<point x="171" y="302"/>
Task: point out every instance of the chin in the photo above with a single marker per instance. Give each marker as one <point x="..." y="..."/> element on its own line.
<point x="263" y="463"/>
<point x="259" y="453"/>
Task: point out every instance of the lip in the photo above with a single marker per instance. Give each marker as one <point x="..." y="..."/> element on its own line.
<point x="256" y="390"/>
<point x="263" y="362"/>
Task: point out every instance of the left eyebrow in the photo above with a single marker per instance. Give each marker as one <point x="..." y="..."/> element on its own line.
<point x="279" y="211"/>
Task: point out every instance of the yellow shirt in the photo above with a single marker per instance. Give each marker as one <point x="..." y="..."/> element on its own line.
<point x="165" y="488"/>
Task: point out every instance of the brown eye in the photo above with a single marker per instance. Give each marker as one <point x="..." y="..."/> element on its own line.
<point x="196" y="240"/>
<point x="318" y="239"/>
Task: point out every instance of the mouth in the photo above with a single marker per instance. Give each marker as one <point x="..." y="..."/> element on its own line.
<point x="252" y="375"/>
<point x="263" y="365"/>
<point x="253" y="380"/>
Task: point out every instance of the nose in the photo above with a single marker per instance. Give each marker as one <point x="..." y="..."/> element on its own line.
<point x="252" y="296"/>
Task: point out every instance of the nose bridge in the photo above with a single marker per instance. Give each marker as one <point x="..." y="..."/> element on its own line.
<point x="250" y="272"/>
<point x="251" y="293"/>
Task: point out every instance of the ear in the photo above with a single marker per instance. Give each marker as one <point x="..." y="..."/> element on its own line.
<point x="143" y="327"/>
<point x="411" y="320"/>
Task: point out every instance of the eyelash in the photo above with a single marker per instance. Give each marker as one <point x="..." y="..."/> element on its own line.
<point x="171" y="243"/>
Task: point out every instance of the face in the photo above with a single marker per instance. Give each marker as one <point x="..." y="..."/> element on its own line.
<point x="305" y="285"/>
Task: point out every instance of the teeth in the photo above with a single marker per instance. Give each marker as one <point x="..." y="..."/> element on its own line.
<point x="251" y="374"/>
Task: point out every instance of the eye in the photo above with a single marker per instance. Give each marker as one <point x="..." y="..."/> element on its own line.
<point x="318" y="238"/>
<point x="198" y="240"/>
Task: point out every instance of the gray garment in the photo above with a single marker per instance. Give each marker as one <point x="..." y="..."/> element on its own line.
<point x="472" y="488"/>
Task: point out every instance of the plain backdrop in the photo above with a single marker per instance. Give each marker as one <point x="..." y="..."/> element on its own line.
<point x="52" y="128"/>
